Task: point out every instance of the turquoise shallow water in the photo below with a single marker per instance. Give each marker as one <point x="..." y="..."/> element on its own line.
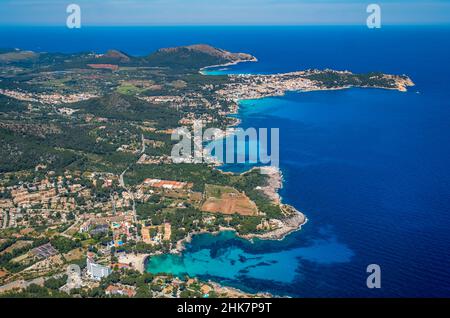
<point x="372" y="194"/>
<point x="368" y="167"/>
<point x="226" y="257"/>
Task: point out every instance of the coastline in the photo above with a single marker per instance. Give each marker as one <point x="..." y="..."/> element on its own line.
<point x="292" y="222"/>
<point x="203" y="69"/>
<point x="136" y="260"/>
<point x="399" y="88"/>
<point x="288" y="226"/>
<point x="294" y="219"/>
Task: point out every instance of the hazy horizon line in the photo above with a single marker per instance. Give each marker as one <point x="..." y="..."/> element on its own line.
<point x="225" y="25"/>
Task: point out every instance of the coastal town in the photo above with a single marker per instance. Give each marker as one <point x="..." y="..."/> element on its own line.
<point x="88" y="189"/>
<point x="104" y="236"/>
<point x="251" y="86"/>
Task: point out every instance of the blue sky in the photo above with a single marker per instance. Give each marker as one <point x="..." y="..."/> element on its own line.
<point x="222" y="12"/>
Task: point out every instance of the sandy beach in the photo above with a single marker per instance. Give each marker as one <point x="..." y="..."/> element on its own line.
<point x="137" y="261"/>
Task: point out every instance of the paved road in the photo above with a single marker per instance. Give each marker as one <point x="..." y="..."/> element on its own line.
<point x="5" y="219"/>
<point x="143" y="144"/>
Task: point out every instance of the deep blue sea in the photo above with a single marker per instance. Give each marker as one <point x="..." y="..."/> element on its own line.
<point x="370" y="168"/>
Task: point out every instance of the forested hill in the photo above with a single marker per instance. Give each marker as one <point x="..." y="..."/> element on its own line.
<point x="192" y="57"/>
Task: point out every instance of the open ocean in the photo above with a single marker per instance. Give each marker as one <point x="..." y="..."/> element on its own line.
<point x="370" y="168"/>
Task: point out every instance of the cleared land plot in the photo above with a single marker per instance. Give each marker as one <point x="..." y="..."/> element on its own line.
<point x="74" y="254"/>
<point x="20" y="258"/>
<point x="16" y="246"/>
<point x="227" y="200"/>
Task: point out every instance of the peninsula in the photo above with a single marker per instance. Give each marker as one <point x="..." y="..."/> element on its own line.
<point x="86" y="176"/>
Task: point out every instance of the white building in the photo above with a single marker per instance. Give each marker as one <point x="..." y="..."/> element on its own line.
<point x="96" y="271"/>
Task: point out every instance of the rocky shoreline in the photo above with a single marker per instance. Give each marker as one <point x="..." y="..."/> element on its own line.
<point x="274" y="183"/>
<point x="292" y="222"/>
<point x="288" y="225"/>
